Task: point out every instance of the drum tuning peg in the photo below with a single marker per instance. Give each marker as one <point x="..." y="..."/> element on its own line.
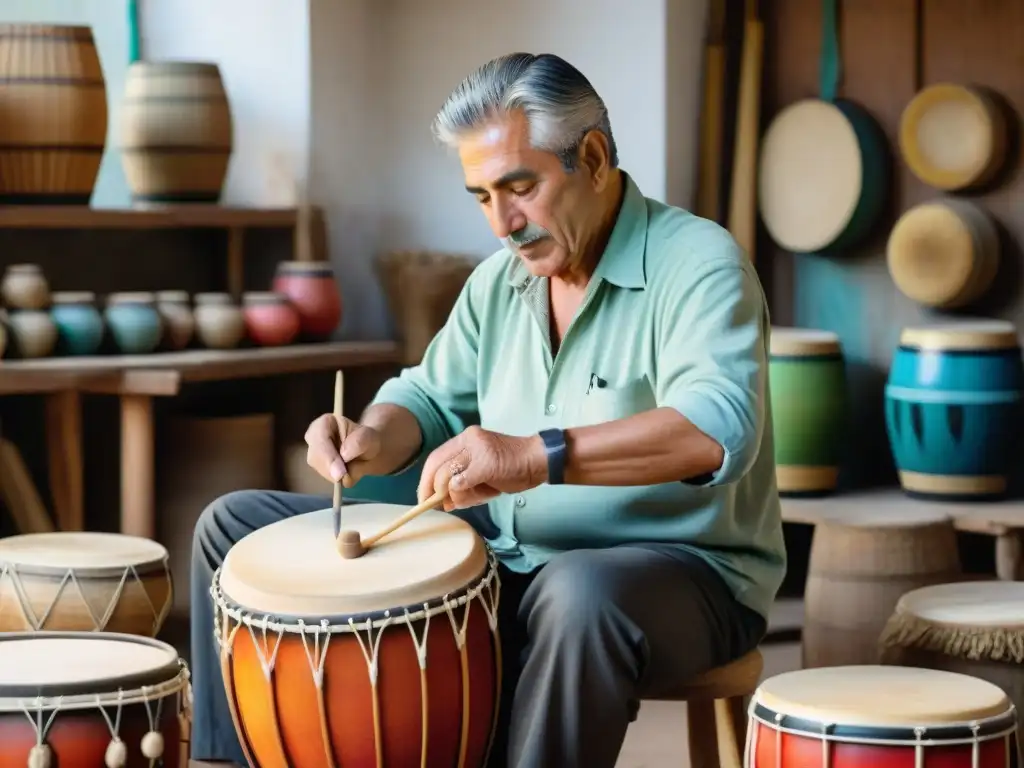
<point x="39" y="756"/>
<point x="153" y="745"/>
<point x="117" y="754"/>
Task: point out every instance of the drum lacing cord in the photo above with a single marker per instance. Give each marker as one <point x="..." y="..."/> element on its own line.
<point x="371" y="646"/>
<point x="39" y="755"/>
<point x="99" y="622"/>
<point x="267" y="657"/>
<point x="318" y="657"/>
<point x="152" y="741"/>
<point x="419" y="644"/>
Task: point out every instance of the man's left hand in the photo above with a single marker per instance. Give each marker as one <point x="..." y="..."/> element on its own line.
<point x="479" y="465"/>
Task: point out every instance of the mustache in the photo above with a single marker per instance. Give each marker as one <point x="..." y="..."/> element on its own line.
<point x="531" y="233"/>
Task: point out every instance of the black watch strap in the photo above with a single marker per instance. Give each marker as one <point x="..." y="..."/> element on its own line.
<point x="554" y="444"/>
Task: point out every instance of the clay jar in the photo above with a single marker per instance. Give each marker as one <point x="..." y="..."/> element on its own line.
<point x="33" y="332"/>
<point x="219" y="321"/>
<point x="25" y="287"/>
<point x="79" y="324"/>
<point x="134" y="322"/>
<point x="313" y="291"/>
<point x="176" y="315"/>
<point x="270" y="319"/>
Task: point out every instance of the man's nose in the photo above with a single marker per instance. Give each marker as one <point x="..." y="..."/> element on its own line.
<point x="506" y="219"/>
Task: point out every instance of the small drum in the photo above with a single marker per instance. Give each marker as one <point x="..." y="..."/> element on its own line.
<point x="91" y="699"/>
<point x="808" y="398"/>
<point x="974" y="628"/>
<point x="80" y="581"/>
<point x="389" y="659"/>
<point x="879" y="717"/>
<point x="953" y="409"/>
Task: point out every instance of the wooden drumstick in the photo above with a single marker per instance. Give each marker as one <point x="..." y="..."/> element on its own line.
<point x="339" y="392"/>
<point x="350" y="545"/>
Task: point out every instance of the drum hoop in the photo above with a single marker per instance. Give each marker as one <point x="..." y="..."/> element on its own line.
<point x="932" y="734"/>
<point x="141" y="568"/>
<point x="140" y="687"/>
<point x="354" y="622"/>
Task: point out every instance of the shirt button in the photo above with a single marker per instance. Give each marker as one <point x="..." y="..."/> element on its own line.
<point x="520" y="501"/>
<point x="552" y="408"/>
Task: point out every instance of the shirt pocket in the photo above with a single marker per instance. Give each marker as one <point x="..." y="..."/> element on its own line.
<point x="609" y="403"/>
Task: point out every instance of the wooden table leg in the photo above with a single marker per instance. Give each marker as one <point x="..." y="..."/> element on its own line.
<point x="66" y="466"/>
<point x="138" y="496"/>
<point x="1008" y="556"/>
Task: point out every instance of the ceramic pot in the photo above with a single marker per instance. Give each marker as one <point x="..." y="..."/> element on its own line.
<point x="270" y="319"/>
<point x="33" y="332"/>
<point x="134" y="322"/>
<point x="79" y="323"/>
<point x="25" y="287"/>
<point x="176" y="314"/>
<point x="219" y="321"/>
<point x="313" y="291"/>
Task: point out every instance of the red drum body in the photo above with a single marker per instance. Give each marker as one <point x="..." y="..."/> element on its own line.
<point x="879" y="717"/>
<point x="390" y="659"/>
<point x="91" y="699"/>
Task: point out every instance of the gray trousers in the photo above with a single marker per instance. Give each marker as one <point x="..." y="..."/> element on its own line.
<point x="584" y="638"/>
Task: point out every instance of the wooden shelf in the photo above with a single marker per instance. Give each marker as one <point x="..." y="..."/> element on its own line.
<point x="157" y="217"/>
<point x="989" y="518"/>
<point x="161" y="374"/>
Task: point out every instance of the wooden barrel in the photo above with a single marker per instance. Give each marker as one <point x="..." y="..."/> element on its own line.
<point x="860" y="566"/>
<point x="975" y="628"/>
<point x="53" y="114"/>
<point x="176" y="132"/>
<point x="808" y="399"/>
<point x="953" y="409"/>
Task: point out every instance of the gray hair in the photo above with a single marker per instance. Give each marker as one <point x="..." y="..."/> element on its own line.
<point x="560" y="104"/>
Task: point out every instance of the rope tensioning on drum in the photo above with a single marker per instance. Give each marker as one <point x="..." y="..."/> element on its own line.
<point x="99" y="622"/>
<point x="152" y="744"/>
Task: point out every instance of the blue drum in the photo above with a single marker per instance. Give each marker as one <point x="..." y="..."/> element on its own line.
<point x="953" y="409"/>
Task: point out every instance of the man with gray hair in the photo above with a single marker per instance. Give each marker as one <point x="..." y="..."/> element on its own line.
<point x="596" y="406"/>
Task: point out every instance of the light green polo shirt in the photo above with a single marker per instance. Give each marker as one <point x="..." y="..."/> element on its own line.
<point x="673" y="316"/>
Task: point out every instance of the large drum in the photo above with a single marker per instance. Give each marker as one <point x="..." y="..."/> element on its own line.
<point x="879" y="717"/>
<point x="83" y="582"/>
<point x="953" y="409"/>
<point x="808" y="399"/>
<point x="389" y="659"/>
<point x="85" y="700"/>
<point x="975" y="628"/>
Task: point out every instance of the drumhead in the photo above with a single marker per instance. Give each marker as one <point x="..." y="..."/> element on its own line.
<point x="99" y="553"/>
<point x="803" y="342"/>
<point x="52" y="664"/>
<point x="997" y="604"/>
<point x="810" y="175"/>
<point x="964" y="335"/>
<point x="292" y="568"/>
<point x="879" y="696"/>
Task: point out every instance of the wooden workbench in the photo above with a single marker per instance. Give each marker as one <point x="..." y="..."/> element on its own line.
<point x="1004" y="520"/>
<point x="136" y="380"/>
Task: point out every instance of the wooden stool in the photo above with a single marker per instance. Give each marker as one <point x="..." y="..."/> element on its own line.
<point x="716" y="717"/>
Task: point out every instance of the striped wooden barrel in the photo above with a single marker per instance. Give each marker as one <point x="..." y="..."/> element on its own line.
<point x="176" y="132"/>
<point x="53" y="114"/>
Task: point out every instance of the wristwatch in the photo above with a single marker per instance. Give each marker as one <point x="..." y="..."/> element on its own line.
<point x="554" y="444"/>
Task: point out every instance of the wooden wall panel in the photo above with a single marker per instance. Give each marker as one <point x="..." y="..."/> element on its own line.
<point x="973" y="41"/>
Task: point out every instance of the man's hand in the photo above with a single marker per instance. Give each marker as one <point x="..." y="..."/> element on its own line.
<point x="359" y="446"/>
<point x="479" y="465"/>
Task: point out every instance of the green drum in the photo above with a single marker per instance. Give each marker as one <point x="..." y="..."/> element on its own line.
<point x="808" y="397"/>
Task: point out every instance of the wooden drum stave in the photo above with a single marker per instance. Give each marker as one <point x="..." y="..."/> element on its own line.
<point x="82" y="700"/>
<point x="390" y="659"/>
<point x="808" y="401"/>
<point x="176" y="132"/>
<point x="84" y="582"/>
<point x="53" y="114"/>
<point x="974" y="628"/>
<point x="879" y="717"/>
<point x="953" y="409"/>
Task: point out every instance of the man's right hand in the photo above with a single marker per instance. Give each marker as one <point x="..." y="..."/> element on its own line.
<point x="359" y="445"/>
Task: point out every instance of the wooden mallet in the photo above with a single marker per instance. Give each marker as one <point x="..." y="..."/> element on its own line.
<point x="351" y="546"/>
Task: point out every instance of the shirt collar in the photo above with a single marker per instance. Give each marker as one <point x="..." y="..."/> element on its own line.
<point x="623" y="260"/>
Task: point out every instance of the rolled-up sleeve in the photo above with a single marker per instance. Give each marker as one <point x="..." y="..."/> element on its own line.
<point x="441" y="391"/>
<point x="711" y="359"/>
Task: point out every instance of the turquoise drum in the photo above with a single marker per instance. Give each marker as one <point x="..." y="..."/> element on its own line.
<point x="953" y="409"/>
